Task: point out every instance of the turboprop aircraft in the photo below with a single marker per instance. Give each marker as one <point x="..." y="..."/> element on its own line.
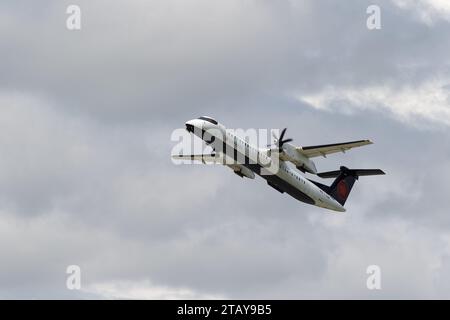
<point x="280" y="165"/>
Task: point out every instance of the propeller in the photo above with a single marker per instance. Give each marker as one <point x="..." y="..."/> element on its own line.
<point x="279" y="141"/>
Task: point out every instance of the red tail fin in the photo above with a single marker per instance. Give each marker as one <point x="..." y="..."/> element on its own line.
<point x="345" y="179"/>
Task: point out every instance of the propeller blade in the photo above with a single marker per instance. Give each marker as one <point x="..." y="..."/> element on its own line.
<point x="282" y="134"/>
<point x="279" y="140"/>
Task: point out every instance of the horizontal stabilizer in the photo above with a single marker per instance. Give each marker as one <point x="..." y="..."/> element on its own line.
<point x="351" y="172"/>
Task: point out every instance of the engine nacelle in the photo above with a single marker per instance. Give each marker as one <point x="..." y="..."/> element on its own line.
<point x="242" y="171"/>
<point x="302" y="163"/>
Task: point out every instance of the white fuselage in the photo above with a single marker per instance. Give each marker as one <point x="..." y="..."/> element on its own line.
<point x="286" y="177"/>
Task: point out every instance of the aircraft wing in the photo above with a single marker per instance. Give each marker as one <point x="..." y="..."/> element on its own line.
<point x="323" y="150"/>
<point x="210" y="158"/>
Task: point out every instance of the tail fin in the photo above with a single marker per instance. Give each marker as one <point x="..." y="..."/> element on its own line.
<point x="345" y="178"/>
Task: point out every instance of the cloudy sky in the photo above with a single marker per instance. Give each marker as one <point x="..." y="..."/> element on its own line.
<point x="85" y="171"/>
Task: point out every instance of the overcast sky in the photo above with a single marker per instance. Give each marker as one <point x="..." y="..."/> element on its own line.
<point x="86" y="176"/>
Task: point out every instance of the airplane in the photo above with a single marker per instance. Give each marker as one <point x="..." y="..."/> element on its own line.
<point x="292" y="160"/>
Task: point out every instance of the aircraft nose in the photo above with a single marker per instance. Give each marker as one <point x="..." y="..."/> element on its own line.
<point x="190" y="126"/>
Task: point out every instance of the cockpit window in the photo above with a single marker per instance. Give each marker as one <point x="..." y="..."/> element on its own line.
<point x="211" y="120"/>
